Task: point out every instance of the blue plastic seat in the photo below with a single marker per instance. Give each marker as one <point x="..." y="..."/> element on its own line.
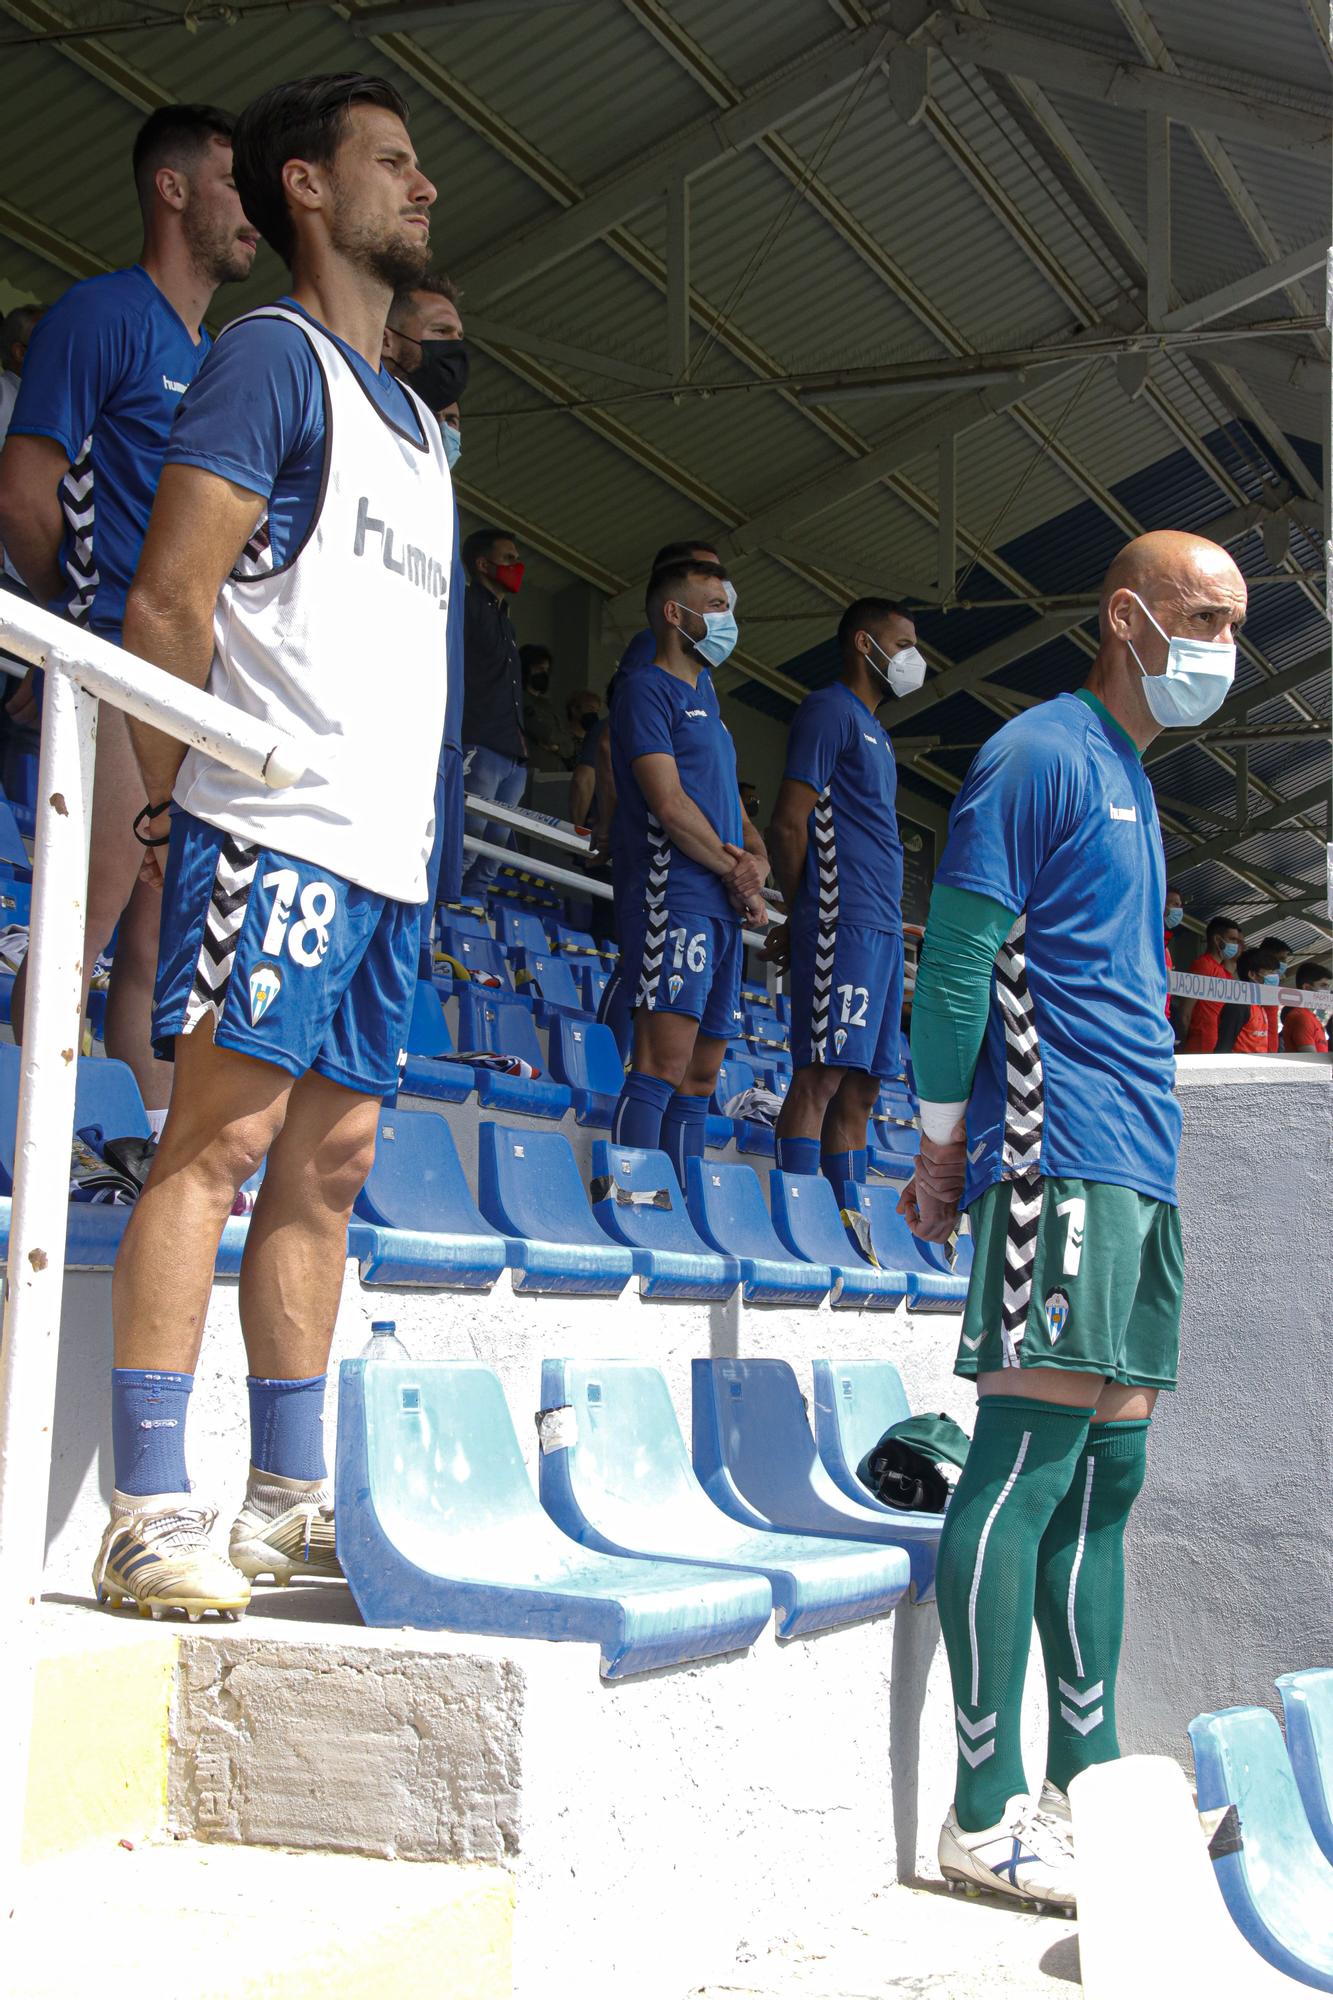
<point x="477" y="959"/>
<point x="727" y="1207"/>
<point x="93" y="1232"/>
<point x="1276" y="1883"/>
<point x="584" y="1056"/>
<point x="439" y="1528"/>
<point x="427" y="1228"/>
<point x="548" y="983"/>
<point x="12" y="851"/>
<point x="518" y="929"/>
<point x="757" y="1461"/>
<point x="495" y="1024"/>
<point x="107" y="1105"/>
<point x="577" y="943"/>
<point x="930" y="1288"/>
<point x="428" y="1071"/>
<point x="735" y="1075"/>
<point x="529" y="1188"/>
<point x="625" y="1485"/>
<point x="855" y="1403"/>
<point x="1307" y="1703"/>
<point x="905" y="1140"/>
<point x="638" y="1202"/>
<point x="807" y="1221"/>
<point x="593" y="981"/>
<point x="465" y="921"/>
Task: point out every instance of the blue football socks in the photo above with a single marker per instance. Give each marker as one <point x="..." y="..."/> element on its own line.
<point x="840" y="1167"/>
<point x="683" y="1127"/>
<point x="640" y="1109"/>
<point x="798" y="1156"/>
<point x="148" y="1429"/>
<point x="287" y="1426"/>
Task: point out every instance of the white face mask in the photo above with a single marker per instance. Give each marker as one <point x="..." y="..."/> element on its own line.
<point x="1198" y="677"/>
<point x="903" y="672"/>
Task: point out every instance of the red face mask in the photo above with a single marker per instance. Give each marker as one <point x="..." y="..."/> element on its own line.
<point x="509" y="576"/>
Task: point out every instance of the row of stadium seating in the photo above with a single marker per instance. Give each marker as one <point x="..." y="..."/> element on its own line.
<point x="658" y="1558"/>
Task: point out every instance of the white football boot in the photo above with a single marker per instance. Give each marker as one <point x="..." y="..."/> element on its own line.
<point x="1021" y="1857"/>
<point x="156" y="1555"/>
<point x="285" y="1529"/>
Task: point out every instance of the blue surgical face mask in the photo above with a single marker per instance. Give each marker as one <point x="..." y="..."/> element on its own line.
<point x="1272" y="979"/>
<point x="453" y="444"/>
<point x="719" y="636"/>
<point x="1198" y="677"/>
<point x="1174" y="913"/>
<point x="1230" y="950"/>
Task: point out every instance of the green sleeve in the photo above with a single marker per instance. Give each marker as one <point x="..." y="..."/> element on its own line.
<point x="951" y="1002"/>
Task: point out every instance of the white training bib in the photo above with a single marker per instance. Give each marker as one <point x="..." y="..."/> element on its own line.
<point x="344" y="643"/>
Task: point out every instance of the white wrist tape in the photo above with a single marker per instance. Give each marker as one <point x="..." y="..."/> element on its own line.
<point x="939" y="1122"/>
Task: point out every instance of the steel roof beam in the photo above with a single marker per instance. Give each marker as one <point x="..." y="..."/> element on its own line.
<point x="1267" y="114"/>
<point x="1235" y="297"/>
<point x="1215" y="848"/>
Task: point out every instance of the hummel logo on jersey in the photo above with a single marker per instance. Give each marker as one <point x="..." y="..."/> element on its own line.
<point x="419" y="568"/>
<point x="1123" y="812"/>
<point x="176" y="388"/>
<point x="868" y="737"/>
<point x="698" y="714"/>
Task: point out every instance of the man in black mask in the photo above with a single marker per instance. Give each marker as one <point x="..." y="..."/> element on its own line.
<point x="423" y="340"/>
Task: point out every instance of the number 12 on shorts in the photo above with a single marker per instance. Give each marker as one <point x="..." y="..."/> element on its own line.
<point x="855" y="1000"/>
<point x="308" y="940"/>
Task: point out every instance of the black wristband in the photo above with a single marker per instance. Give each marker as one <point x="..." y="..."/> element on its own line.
<point x="148" y="813"/>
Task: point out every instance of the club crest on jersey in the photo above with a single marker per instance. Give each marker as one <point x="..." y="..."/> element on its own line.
<point x="674" y="985"/>
<point x="1057" y="1315"/>
<point x="265" y="986"/>
<point x="839" y="1038"/>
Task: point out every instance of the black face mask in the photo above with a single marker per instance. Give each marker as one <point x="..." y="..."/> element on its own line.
<point x="440" y="377"/>
<point x="539" y="683"/>
<point x="588" y="720"/>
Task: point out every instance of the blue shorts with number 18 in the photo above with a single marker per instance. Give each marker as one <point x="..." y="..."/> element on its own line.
<point x="293" y="964"/>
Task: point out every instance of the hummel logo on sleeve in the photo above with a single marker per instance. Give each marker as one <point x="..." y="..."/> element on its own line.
<point x="174" y="388"/>
<point x="699" y="714"/>
<point x="1123" y="812"/>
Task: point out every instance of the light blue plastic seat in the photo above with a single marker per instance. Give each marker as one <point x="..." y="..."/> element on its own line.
<point x="1307" y="1703"/>
<point x="757" y="1461"/>
<point x="638" y="1202"/>
<point x="625" y="1485"/>
<point x="478" y="959"/>
<point x="529" y="1188"/>
<point x="548" y="983"/>
<point x="807" y="1221"/>
<point x="494" y="1023"/>
<point x="1276" y="1883"/>
<point x="727" y="1207"/>
<point x="518" y="929"/>
<point x="855" y="1403"/>
<point x="438" y="1528"/>
<point x="931" y="1286"/>
<point x="427" y="1229"/>
<point x="585" y="1057"/>
<point x="429" y="1070"/>
<point x="107" y="1105"/>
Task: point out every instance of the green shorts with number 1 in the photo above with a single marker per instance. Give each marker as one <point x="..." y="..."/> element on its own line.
<point x="1074" y="1274"/>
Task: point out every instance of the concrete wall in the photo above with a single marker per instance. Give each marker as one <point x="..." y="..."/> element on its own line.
<point x="1230" y="1551"/>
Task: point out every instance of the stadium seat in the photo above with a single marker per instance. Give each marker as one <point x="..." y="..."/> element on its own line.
<point x="624" y="1484"/>
<point x="757" y="1460"/>
<point x="1151" y="1920"/>
<point x="465" y="921"/>
<point x="806" y="1220"/>
<point x="494" y="1024"/>
<point x="577" y="943"/>
<point x="638" y="1202"/>
<point x="1307" y="1703"/>
<point x="476" y="959"/>
<point x="428" y="1071"/>
<point x="736" y="1075"/>
<point x="929" y="1287"/>
<point x="12" y="851"/>
<point x="855" y="1403"/>
<point x="107" y="1105"/>
<point x="904" y="1140"/>
<point x="584" y="1056"/>
<point x="94" y="1230"/>
<point x="416" y="1191"/>
<point x="548" y="982"/>
<point x="593" y="981"/>
<point x="439" y="1528"/>
<point x="518" y="929"/>
<point x="726" y="1205"/>
<point x="528" y="1187"/>
<point x="1276" y="1883"/>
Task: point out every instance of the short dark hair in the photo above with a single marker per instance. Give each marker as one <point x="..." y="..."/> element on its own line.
<point x="679" y="552"/>
<point x="174" y="136"/>
<point x="1257" y="959"/>
<point x="304" y="120"/>
<point x="575" y="704"/>
<point x="480" y="543"/>
<point x="1277" y="944"/>
<point x="1216" y="924"/>
<point x="17" y="325"/>
<point x="1308" y="971"/>
<point x="434" y="283"/>
<point x="670" y="576"/>
<point x="864" y="612"/>
<point x="528" y="657"/>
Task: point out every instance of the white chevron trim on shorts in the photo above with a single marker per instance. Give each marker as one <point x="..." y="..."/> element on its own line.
<point x="227" y="905"/>
<point x="826" y="929"/>
<point x="655" y="905"/>
<point x="975" y="1591"/>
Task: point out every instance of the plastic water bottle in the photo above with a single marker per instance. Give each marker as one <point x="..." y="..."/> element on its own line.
<point x="384" y="1344"/>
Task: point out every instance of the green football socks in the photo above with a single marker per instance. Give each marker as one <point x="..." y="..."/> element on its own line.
<point x="1021" y="1465"/>
<point x="1080" y="1606"/>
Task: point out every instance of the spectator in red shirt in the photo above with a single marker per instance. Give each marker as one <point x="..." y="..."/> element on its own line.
<point x="1172" y="913"/>
<point x="1223" y="944"/>
<point x="1245" y="1030"/>
<point x="1301" y="1029"/>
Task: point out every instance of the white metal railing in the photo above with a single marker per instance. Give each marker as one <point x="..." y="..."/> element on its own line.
<point x="81" y="670"/>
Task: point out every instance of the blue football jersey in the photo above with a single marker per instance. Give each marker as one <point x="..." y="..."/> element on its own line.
<point x="105" y="369"/>
<point x="652" y="712"/>
<point x="854" y="857"/>
<point x="1076" y="1077"/>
